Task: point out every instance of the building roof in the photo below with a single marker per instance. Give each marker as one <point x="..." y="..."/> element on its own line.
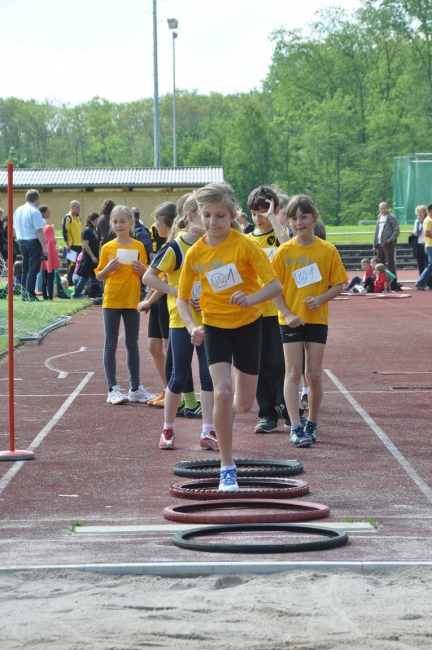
<point x="113" y="177"/>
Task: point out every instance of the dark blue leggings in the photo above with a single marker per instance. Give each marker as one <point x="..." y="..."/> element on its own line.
<point x="182" y="352"/>
<point x="131" y="323"/>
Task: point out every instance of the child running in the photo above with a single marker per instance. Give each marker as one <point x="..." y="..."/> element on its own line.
<point x="228" y="265"/>
<point x="121" y="264"/>
<point x="306" y="267"/>
<point x="169" y="260"/>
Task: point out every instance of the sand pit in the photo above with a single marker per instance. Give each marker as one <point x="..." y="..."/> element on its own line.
<point x="297" y="610"/>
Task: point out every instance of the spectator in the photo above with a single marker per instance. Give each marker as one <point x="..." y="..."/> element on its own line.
<point x="142" y="233"/>
<point x="90" y="254"/>
<point x="52" y="263"/>
<point x="419" y="240"/>
<point x="28" y="225"/>
<point x="427" y="230"/>
<point x="386" y="234"/>
<point x="72" y="227"/>
<point x="247" y="227"/>
<point x="103" y="224"/>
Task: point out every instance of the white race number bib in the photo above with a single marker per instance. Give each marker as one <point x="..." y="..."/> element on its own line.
<point x="224" y="277"/>
<point x="307" y="275"/>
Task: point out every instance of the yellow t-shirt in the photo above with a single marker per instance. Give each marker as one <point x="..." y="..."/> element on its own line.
<point x="122" y="287"/>
<point x="268" y="243"/>
<point x="248" y="262"/>
<point x="167" y="261"/>
<point x="427" y="225"/>
<point x="73" y="228"/>
<point x="290" y="257"/>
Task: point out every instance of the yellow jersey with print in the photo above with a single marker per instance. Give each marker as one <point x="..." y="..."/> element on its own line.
<point x="294" y="266"/>
<point x="170" y="260"/>
<point x="122" y="287"/>
<point x="72" y="227"/>
<point x="268" y="243"/>
<point x="427" y="225"/>
<point x="234" y="265"/>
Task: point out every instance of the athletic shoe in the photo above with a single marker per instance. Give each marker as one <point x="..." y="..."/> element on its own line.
<point x="265" y="425"/>
<point x="304" y="401"/>
<point x="115" y="396"/>
<point x="167" y="439"/>
<point x="298" y="438"/>
<point x="311" y="430"/>
<point x="417" y="286"/>
<point x="181" y="409"/>
<point x="140" y="395"/>
<point x="196" y="412"/>
<point x="279" y="408"/>
<point x="228" y="480"/>
<point x="208" y="440"/>
<point x="158" y="401"/>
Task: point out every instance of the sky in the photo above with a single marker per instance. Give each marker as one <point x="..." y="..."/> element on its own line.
<point x="70" y="52"/>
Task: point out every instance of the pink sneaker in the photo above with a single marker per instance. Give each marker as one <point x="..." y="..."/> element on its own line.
<point x="167" y="439"/>
<point x="208" y="440"/>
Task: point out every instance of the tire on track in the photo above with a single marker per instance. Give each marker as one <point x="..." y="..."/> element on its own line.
<point x="192" y="513"/>
<point x="210" y="468"/>
<point x="334" y="539"/>
<point x="250" y="488"/>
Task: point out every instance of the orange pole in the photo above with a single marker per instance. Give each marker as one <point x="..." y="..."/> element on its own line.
<point x="10" y="169"/>
<point x="12" y="454"/>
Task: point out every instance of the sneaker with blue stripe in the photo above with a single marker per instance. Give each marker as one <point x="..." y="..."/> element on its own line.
<point x="228" y="479"/>
<point x="298" y="438"/>
<point x="311" y="429"/>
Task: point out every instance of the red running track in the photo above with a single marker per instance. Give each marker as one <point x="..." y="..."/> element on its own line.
<point x="372" y="458"/>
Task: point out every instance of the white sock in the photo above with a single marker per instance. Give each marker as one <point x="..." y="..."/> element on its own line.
<point x="168" y="425"/>
<point x="208" y="427"/>
<point x="305" y="390"/>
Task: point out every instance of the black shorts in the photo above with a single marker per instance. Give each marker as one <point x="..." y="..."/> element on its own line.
<point x="310" y="332"/>
<point x="240" y="346"/>
<point x="158" y="325"/>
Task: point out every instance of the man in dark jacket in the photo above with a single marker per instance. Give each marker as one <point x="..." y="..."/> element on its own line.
<point x="386" y="234"/>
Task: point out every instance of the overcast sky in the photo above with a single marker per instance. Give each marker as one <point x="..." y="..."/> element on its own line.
<point x="73" y="50"/>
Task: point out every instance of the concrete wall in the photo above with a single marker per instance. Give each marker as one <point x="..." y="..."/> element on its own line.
<point x="59" y="200"/>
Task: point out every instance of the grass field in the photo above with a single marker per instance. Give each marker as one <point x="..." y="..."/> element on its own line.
<point x="334" y="234"/>
<point x="25" y="313"/>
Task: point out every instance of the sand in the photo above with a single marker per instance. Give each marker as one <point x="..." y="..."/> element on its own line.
<point x="294" y="610"/>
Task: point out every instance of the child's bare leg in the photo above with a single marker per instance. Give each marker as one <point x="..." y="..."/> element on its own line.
<point x="314" y="362"/>
<point x="245" y="391"/>
<point x="207" y="405"/>
<point x="293" y="353"/>
<point x="172" y="401"/>
<point x="222" y="413"/>
<point x="157" y="348"/>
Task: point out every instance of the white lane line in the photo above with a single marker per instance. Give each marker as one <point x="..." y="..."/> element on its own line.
<point x="4" y="482"/>
<point x="62" y="373"/>
<point x="427" y="491"/>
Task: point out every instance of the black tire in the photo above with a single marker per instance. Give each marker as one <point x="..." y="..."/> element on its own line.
<point x="336" y="538"/>
<point x="273" y="468"/>
<point x="250" y="488"/>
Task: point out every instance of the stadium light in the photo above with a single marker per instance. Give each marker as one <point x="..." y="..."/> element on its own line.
<point x="173" y="24"/>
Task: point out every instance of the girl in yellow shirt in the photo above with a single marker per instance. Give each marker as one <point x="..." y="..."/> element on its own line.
<point x="311" y="273"/>
<point x="121" y="264"/>
<point x="228" y="264"/>
<point x="169" y="260"/>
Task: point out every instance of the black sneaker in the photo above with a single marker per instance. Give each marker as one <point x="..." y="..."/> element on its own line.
<point x="311" y="430"/>
<point x="298" y="438"/>
<point x="196" y="412"/>
<point x="265" y="425"/>
<point x="181" y="409"/>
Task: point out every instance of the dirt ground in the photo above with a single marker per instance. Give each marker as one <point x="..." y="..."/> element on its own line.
<point x="307" y="610"/>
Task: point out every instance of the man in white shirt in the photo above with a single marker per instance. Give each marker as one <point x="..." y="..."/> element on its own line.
<point x="28" y="225"/>
<point x="386" y="234"/>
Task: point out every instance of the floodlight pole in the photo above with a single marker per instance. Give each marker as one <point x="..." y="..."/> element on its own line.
<point x="11" y="453"/>
<point x="156" y="91"/>
<point x="173" y="24"/>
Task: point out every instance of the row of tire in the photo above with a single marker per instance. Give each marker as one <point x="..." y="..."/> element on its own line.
<point x="263" y="486"/>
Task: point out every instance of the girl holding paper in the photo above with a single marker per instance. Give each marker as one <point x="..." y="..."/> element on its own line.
<point x="185" y="231"/>
<point x="311" y="273"/>
<point x="228" y="264"/>
<point x="121" y="264"/>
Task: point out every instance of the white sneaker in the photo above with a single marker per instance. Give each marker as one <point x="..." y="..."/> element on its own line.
<point x="115" y="396"/>
<point x="140" y="395"/>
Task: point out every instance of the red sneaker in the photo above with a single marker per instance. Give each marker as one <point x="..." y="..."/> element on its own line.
<point x="167" y="439"/>
<point x="208" y="440"/>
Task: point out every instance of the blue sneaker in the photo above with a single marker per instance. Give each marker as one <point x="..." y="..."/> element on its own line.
<point x="196" y="412"/>
<point x="228" y="479"/>
<point x="311" y="430"/>
<point x="298" y="438"/>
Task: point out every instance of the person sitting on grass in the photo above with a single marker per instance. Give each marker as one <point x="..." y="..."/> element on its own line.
<point x="367" y="283"/>
<point x="394" y="284"/>
<point x="382" y="284"/>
